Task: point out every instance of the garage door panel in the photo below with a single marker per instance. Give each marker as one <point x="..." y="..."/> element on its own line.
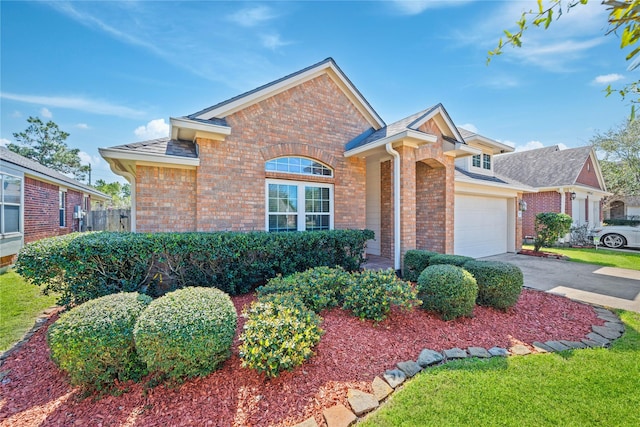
<point x="480" y="226"/>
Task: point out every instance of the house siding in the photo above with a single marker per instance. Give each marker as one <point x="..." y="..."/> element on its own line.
<point x="545" y="201"/>
<point x="588" y="175"/>
<point x="314" y="119"/>
<point x="41" y="210"/>
<point x="171" y="209"/>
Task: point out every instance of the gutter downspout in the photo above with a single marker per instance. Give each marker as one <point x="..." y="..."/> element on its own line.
<point x="396" y="205"/>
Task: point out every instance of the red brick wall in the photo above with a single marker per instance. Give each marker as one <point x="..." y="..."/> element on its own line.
<point x="545" y="201"/>
<point x="165" y="199"/>
<point x="41" y="210"/>
<point x="386" y="205"/>
<point x="431" y="213"/>
<point x="588" y="175"/>
<point x="314" y="119"/>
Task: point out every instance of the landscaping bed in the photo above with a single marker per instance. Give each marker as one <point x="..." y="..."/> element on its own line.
<point x="350" y="354"/>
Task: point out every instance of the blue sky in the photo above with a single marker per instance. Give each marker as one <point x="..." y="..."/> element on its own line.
<point x="111" y="73"/>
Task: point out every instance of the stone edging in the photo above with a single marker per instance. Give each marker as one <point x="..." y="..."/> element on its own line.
<point x="362" y="403"/>
<point x="40" y="321"/>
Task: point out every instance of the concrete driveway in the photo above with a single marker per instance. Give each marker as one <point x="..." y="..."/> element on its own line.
<point x="607" y="286"/>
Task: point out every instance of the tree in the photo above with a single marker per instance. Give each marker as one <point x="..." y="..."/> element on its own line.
<point x="620" y="151"/>
<point x="120" y="193"/>
<point x="624" y="18"/>
<point x="549" y="227"/>
<point x="45" y="143"/>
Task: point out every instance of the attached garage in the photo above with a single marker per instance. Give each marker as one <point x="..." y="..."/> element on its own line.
<point x="482" y="225"/>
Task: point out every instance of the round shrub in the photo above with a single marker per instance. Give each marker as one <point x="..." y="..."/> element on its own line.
<point x="278" y="337"/>
<point x="499" y="283"/>
<point x="186" y="333"/>
<point x="319" y="288"/>
<point x="93" y="342"/>
<point x="371" y="294"/>
<point x="457" y="260"/>
<point x="414" y="262"/>
<point x="448" y="290"/>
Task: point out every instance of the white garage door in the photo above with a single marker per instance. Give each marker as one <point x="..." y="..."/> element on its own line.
<point x="480" y="226"/>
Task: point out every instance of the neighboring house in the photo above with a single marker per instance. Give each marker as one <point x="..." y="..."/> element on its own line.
<point x="623" y="208"/>
<point x="308" y="152"/>
<point x="567" y="181"/>
<point x="38" y="202"/>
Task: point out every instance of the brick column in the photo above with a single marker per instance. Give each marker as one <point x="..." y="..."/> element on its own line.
<point x="407" y="199"/>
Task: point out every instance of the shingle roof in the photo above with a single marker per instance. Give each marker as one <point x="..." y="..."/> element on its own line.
<point x="162" y="146"/>
<point x="543" y="167"/>
<point x="16" y="159"/>
<point x="483" y="177"/>
<point x="389" y="130"/>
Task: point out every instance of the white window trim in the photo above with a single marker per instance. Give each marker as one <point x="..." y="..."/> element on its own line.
<point x="301" y="200"/>
<point x="20" y="205"/>
<point x="63" y="208"/>
<point x="480" y="169"/>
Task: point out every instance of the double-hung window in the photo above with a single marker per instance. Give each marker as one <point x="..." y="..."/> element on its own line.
<point x="486" y="162"/>
<point x="62" y="207"/>
<point x="298" y="205"/>
<point x="475" y="161"/>
<point x="10" y="198"/>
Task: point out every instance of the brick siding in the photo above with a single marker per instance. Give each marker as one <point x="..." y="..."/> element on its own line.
<point x="545" y="201"/>
<point x="588" y="175"/>
<point x="41" y="210"/>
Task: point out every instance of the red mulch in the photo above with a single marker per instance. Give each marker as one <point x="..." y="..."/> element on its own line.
<point x="350" y="354"/>
<point x="541" y="254"/>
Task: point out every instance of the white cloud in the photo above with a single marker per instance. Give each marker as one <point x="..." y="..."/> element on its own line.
<point x="75" y="103"/>
<point x="607" y="79"/>
<point x="88" y="158"/>
<point x="416" y="7"/>
<point x="273" y="41"/>
<point x="154" y="129"/>
<point x="44" y="112"/>
<point x="252" y="16"/>
<point x="531" y="145"/>
<point x="470" y="127"/>
<point x="16" y="114"/>
<point x="82" y="126"/>
<point x="4" y="142"/>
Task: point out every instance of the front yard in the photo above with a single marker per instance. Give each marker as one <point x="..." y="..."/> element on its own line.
<point x="605" y="257"/>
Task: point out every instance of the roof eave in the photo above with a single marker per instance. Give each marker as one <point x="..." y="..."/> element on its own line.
<point x="187" y="129"/>
<point x="115" y="153"/>
<point x="416" y="138"/>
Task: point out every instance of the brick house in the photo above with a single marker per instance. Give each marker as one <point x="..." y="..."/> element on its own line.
<point x="567" y="181"/>
<point x="38" y="202"/>
<point x="308" y="152"/>
<point x="626" y="207"/>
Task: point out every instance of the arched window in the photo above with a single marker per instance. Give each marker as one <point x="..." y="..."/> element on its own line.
<point x="298" y="165"/>
<point x="298" y="205"/>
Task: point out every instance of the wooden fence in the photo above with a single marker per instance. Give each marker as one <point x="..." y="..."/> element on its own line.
<point x="110" y="220"/>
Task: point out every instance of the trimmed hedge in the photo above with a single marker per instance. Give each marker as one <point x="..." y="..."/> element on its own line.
<point x="414" y="262"/>
<point x="186" y="333"/>
<point x="448" y="290"/>
<point x="318" y="288"/>
<point x="457" y="260"/>
<point x="83" y="266"/>
<point x="278" y="337"/>
<point x="94" y="344"/>
<point x="371" y="294"/>
<point x="499" y="283"/>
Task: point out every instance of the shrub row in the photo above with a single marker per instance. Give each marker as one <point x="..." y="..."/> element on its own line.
<point x="499" y="284"/>
<point x="283" y="326"/>
<point x="124" y="336"/>
<point x="89" y="265"/>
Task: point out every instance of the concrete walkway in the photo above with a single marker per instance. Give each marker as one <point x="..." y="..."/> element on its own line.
<point x="606" y="286"/>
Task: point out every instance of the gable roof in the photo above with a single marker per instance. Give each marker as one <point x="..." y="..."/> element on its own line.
<point x="411" y="123"/>
<point x="328" y="65"/>
<point x="161" y="147"/>
<point x="34" y="168"/>
<point x="497" y="147"/>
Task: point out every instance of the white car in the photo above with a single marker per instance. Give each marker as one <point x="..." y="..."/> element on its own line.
<point x="617" y="236"/>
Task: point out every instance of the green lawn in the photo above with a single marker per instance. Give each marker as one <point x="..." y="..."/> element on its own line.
<point x="20" y="304"/>
<point x="606" y="257"/>
<point x="573" y="388"/>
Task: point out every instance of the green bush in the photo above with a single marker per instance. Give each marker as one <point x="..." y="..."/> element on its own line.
<point x="457" y="260"/>
<point x="499" y="283"/>
<point x="83" y="266"/>
<point x="319" y="288"/>
<point x="414" y="262"/>
<point x="549" y="227"/>
<point x="93" y="342"/>
<point x="448" y="290"/>
<point x="371" y="294"/>
<point x="278" y="337"/>
<point x="186" y="333"/>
